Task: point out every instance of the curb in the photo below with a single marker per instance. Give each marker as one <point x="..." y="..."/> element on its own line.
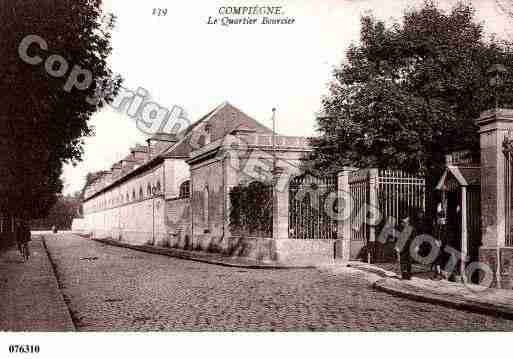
<point x="58" y="285"/>
<point x="455" y="303"/>
<point x="422" y="295"/>
<point x="372" y="269"/>
<point x="186" y="255"/>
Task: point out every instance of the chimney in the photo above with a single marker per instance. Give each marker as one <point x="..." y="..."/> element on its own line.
<point x="159" y="142"/>
<point x="116" y="170"/>
<point x="248" y="135"/>
<point x="139" y="153"/>
<point x="127" y="164"/>
<point x="106" y="178"/>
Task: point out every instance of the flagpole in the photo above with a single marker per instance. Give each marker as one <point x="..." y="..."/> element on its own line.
<point x="274" y="141"/>
<point x="274" y="180"/>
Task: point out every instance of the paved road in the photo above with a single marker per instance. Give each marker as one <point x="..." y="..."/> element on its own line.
<point x="112" y="288"/>
<point x="30" y="299"/>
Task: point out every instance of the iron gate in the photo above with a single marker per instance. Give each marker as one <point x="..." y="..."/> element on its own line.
<point x="308" y="198"/>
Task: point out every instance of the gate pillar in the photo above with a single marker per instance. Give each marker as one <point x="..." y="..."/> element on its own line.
<point x="345" y="207"/>
<point x="280" y="207"/>
<point x="494" y="126"/>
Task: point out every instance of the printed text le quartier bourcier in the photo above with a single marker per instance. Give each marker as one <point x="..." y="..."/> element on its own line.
<point x="250" y="15"/>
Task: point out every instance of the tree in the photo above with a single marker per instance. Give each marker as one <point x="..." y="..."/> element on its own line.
<point x="89" y="179"/>
<point x="43" y="121"/>
<point x="61" y="214"/>
<point x="409" y="93"/>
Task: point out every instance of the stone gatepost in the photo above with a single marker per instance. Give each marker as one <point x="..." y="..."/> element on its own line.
<point x="343" y="246"/>
<point x="494" y="125"/>
<point x="280" y="207"/>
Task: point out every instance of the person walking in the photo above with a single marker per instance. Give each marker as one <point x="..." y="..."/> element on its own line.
<point x="22" y="238"/>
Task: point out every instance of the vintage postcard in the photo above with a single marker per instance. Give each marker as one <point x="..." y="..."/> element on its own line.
<point x="174" y="171"/>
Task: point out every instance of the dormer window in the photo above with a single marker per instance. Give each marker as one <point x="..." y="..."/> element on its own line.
<point x="185" y="190"/>
<point x="208" y="134"/>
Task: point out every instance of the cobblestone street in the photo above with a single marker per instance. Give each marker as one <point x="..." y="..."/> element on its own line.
<point x="111" y="288"/>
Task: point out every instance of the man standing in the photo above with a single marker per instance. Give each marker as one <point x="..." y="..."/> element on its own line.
<point x="406" y="233"/>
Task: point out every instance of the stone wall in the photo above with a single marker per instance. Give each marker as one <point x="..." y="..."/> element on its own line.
<point x="176" y="171"/>
<point x="132" y="211"/>
<point x="178" y="223"/>
<point x="141" y="222"/>
<point x="207" y="199"/>
<point x="489" y="256"/>
<point x="356" y="249"/>
<point x="262" y="249"/>
<point x="305" y="251"/>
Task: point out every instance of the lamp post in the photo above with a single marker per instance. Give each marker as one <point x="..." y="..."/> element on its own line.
<point x="496" y="81"/>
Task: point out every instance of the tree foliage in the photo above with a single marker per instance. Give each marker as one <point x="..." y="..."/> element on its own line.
<point x="409" y="93"/>
<point x="42" y="124"/>
<point x="61" y="214"/>
<point x="251" y="210"/>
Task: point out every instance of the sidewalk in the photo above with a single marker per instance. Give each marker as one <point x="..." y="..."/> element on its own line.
<point x="496" y="302"/>
<point x="212" y="258"/>
<point x="30" y="299"/>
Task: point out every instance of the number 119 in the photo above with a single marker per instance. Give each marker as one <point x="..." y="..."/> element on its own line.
<point x="159" y="12"/>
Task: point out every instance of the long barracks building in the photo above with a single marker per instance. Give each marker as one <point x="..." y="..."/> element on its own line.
<point x="174" y="192"/>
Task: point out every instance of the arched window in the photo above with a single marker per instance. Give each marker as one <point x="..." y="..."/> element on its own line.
<point x="185" y="189"/>
<point x="141" y="193"/>
<point x="158" y="187"/>
<point x="133" y="194"/>
<point x="148" y="190"/>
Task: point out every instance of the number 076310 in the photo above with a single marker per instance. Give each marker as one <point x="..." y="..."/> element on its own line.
<point x="23" y="348"/>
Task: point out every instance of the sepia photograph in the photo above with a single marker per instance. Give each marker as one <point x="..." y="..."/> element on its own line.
<point x="247" y="174"/>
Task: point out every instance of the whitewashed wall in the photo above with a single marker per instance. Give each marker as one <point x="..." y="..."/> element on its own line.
<point x="139" y="220"/>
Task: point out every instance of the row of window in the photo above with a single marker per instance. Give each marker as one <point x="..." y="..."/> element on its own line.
<point x="128" y="197"/>
<point x="184" y="192"/>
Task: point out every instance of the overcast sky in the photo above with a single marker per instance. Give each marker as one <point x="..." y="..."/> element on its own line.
<point x="181" y="60"/>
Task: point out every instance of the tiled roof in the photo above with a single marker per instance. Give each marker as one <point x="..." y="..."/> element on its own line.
<point x="168" y="137"/>
<point x="139" y="148"/>
<point x="221" y="121"/>
<point x="455" y="176"/>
